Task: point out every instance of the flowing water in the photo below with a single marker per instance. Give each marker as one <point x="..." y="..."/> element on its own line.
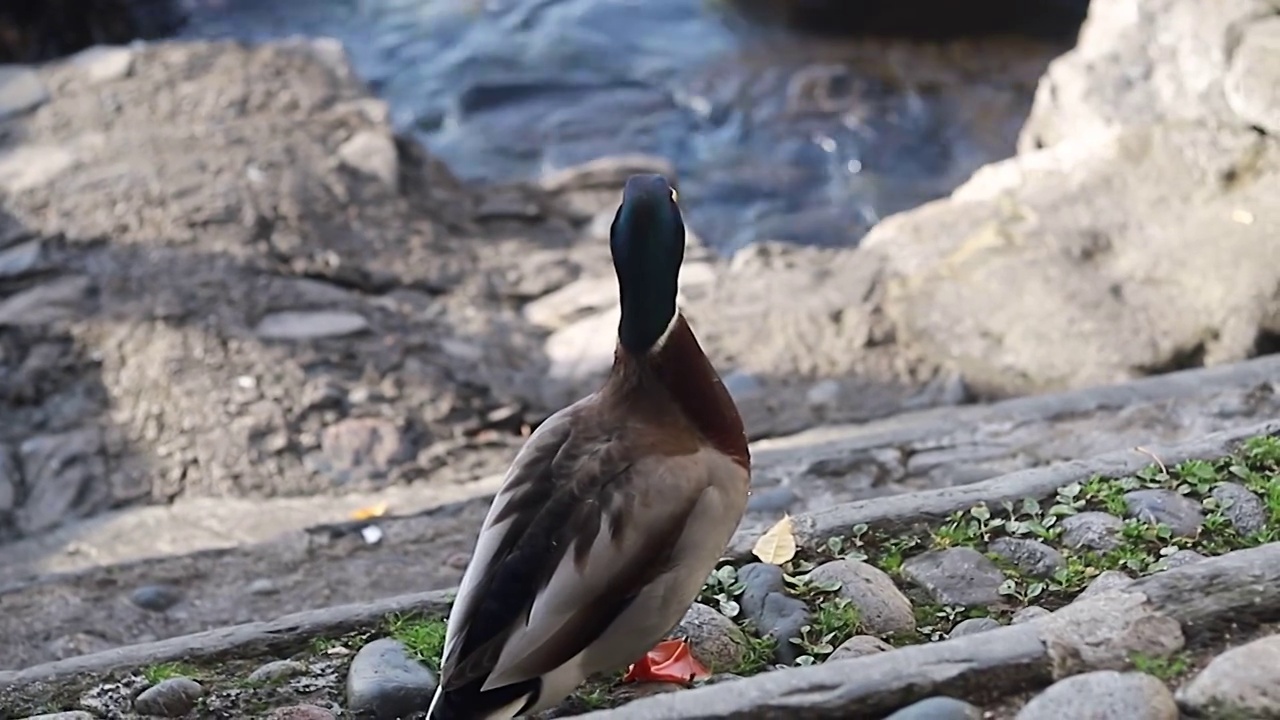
<point x="775" y="136"/>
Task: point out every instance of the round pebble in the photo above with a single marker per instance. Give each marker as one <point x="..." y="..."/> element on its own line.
<point x="859" y="646"/>
<point x="973" y="626"/>
<point x="1246" y="512"/>
<point x="174" y="697"/>
<point x="938" y="708"/>
<point x="276" y="671"/>
<point x="1177" y="511"/>
<point x="1092" y="531"/>
<point x="882" y="608"/>
<point x="956" y="576"/>
<point x="385" y="681"/>
<point x="715" y="640"/>
<point x="1103" y="695"/>
<point x="1031" y="557"/>
<point x="1241" y="682"/>
<point x="156" y="598"/>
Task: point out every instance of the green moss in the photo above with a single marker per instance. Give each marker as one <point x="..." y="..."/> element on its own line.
<point x="1166" y="668"/>
<point x="163" y="671"/>
<point x="422" y="636"/>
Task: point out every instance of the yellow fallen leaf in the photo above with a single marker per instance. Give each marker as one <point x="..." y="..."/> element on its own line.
<point x="372" y="511"/>
<point x="778" y="544"/>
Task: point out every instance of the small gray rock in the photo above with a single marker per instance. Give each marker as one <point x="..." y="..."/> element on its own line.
<point x="276" y="671"/>
<point x="1027" y="614"/>
<point x="174" y="697"/>
<point x="1179" y="559"/>
<point x="859" y="646"/>
<point x="1241" y="682"/>
<point x="1092" y="531"/>
<point x="773" y="501"/>
<point x="1245" y="510"/>
<point x="770" y="610"/>
<point x="882" y="608"/>
<point x="20" y="90"/>
<point x="156" y="598"/>
<point x="714" y="639"/>
<point x="263" y="586"/>
<point x="1106" y="580"/>
<point x="1031" y="557"/>
<point x="310" y="325"/>
<point x="20" y="259"/>
<point x="1180" y="513"/>
<point x="1103" y="695"/>
<point x="386" y="682"/>
<point x="938" y="708"/>
<point x="973" y="626"/>
<point x="956" y="576"/>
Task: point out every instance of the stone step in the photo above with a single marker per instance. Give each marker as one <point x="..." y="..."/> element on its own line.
<point x="233" y="562"/>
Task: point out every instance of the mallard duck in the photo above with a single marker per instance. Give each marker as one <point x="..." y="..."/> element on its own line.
<point x="616" y="509"/>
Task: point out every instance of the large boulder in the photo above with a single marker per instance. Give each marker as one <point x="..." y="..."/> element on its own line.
<point x="1140" y="239"/>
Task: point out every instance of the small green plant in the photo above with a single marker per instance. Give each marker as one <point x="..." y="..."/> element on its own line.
<point x="757" y="654"/>
<point x="423" y="637"/>
<point x="163" y="671"/>
<point x="834" y="621"/>
<point x="1166" y="668"/>
<point x="720" y="589"/>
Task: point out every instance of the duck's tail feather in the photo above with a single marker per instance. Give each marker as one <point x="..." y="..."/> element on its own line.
<point x="469" y="702"/>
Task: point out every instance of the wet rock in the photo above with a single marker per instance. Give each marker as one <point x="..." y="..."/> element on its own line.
<point x="20" y="90"/>
<point x="1241" y="682"/>
<point x="64" y="476"/>
<point x="174" y="697"/>
<point x="300" y="712"/>
<point x="1029" y="613"/>
<point x="276" y="671"/>
<point x="973" y="626"/>
<point x="1179" y="559"/>
<point x="365" y="447"/>
<point x="156" y="598"/>
<point x="373" y="153"/>
<point x="310" y="325"/>
<point x="937" y="708"/>
<point x="385" y="682"/>
<point x="19" y="259"/>
<point x="715" y="640"/>
<point x="771" y="611"/>
<point x="859" y="646"/>
<point x="1103" y="695"/>
<point x="1245" y="510"/>
<point x="1252" y="83"/>
<point x="956" y="576"/>
<point x="1031" y="557"/>
<point x="1106" y="580"/>
<point x="1180" y="513"/>
<point x="104" y="63"/>
<point x="1092" y="531"/>
<point x="882" y="608"/>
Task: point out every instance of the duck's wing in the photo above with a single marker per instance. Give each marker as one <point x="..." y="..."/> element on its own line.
<point x="581" y="526"/>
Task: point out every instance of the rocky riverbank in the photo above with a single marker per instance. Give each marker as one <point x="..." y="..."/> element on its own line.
<point x="1139" y="593"/>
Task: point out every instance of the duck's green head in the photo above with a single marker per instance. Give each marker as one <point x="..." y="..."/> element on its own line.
<point x="647" y="241"/>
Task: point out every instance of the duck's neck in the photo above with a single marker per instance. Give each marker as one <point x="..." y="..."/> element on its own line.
<point x="676" y="362"/>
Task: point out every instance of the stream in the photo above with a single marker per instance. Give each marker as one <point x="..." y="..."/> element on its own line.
<point x="775" y="136"/>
